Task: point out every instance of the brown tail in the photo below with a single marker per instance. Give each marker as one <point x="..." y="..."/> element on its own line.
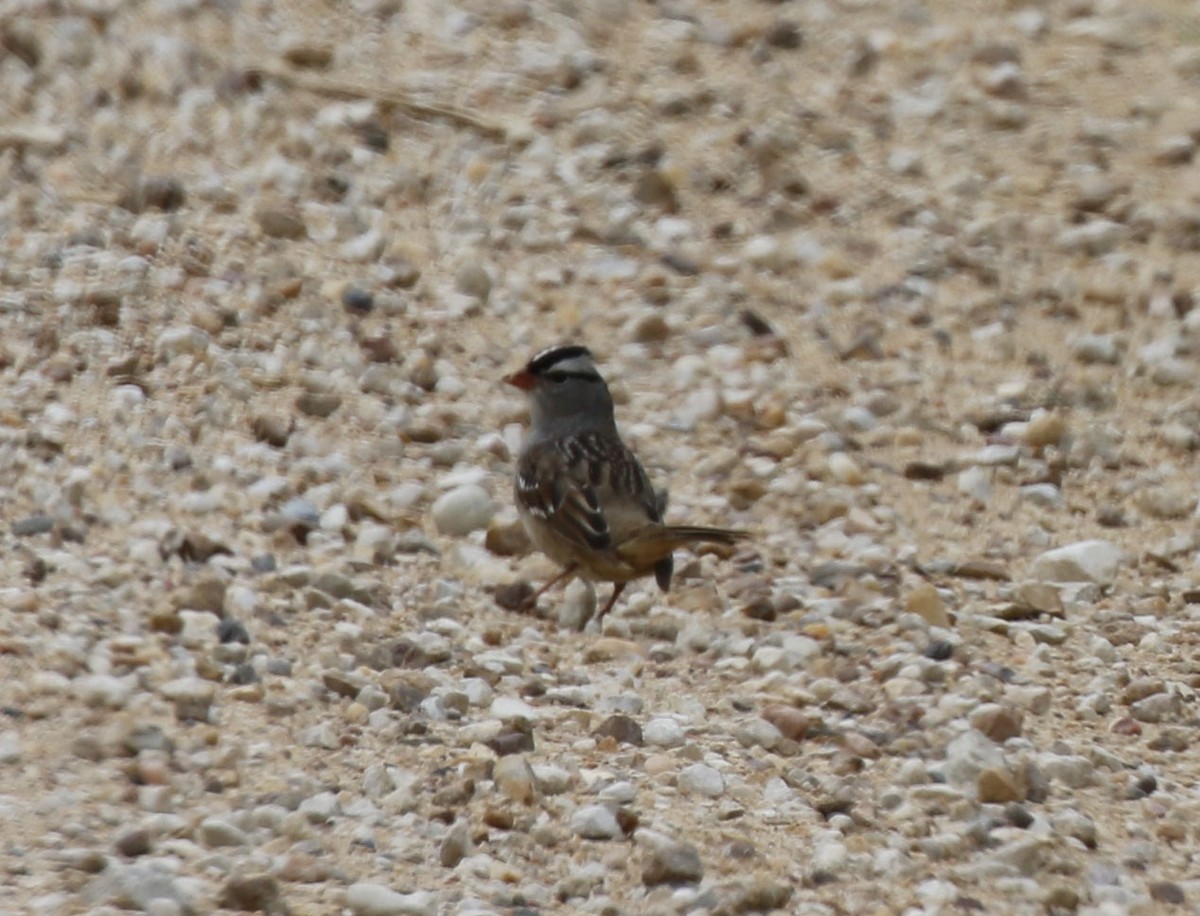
<point x="690" y="534"/>
<point x="652" y="547"/>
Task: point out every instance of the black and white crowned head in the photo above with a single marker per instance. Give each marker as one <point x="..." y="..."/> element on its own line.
<point x="566" y="393"/>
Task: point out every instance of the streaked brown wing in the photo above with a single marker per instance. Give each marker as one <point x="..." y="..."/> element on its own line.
<point x="578" y="482"/>
<point x="561" y="493"/>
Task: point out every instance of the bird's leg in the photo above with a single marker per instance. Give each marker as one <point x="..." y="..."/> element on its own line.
<point x="531" y="602"/>
<point x="618" y="587"/>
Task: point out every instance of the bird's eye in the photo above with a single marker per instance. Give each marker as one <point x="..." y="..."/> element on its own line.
<point x="557" y="377"/>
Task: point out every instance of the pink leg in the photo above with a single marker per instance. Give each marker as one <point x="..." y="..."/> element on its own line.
<point x="531" y="602"/>
<point x="617" y="589"/>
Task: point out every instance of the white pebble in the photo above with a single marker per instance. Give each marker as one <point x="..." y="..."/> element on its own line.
<point x="663" y="732"/>
<point x="463" y="510"/>
<point x="700" y="779"/>
<point x="595" y="822"/>
<point x="365" y="899"/>
<point x="1084" y="561"/>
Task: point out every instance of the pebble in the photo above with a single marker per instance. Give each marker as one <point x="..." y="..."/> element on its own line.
<point x="926" y="602"/>
<point x="255" y="893"/>
<point x="366" y="899"/>
<point x="515" y="778"/>
<point x="699" y="779"/>
<point x="663" y="732"/>
<point x="463" y="510"/>
<point x="1093" y="561"/>
<point x="192" y="697"/>
<point x="595" y="822"/>
<point x="791" y="722"/>
<point x="214" y="831"/>
<point x="456" y="845"/>
<point x="667" y="861"/>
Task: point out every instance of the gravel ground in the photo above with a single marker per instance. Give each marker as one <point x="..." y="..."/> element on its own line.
<point x="905" y="288"/>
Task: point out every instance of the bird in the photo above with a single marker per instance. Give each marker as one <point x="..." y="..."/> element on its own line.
<point x="582" y="496"/>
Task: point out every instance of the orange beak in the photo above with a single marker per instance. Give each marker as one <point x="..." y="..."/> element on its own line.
<point x="522" y="379"/>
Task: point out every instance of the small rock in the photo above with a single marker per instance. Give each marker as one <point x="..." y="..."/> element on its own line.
<point x="996" y="785"/>
<point x="473" y="280"/>
<point x="1045" y="428"/>
<point x="34" y="524"/>
<point x="358" y="302"/>
<point x="153" y="193"/>
<point x="281" y="223"/>
<point x="791" y="722"/>
<point x="1096" y="349"/>
<point x="1084" y="561"/>
<point x="672" y="862"/>
<point x="784" y="34"/>
<point x="622" y="729"/>
<point x="320" y="808"/>
<point x="595" y="822"/>
<point x="310" y="55"/>
<point x="1157" y="708"/>
<point x="365" y="899"/>
<point x="1078" y="826"/>
<point x="663" y="732"/>
<point x="507" y="540"/>
<point x="256" y="893"/>
<point x="273" y="429"/>
<point x="462" y="510"/>
<point x="456" y="845"/>
<point x="514" y="777"/>
<point x="997" y="722"/>
<point x="1167" y="892"/>
<point x="700" y="779"/>
<point x="192" y="697"/>
<point x="213" y="831"/>
<point x="926" y="602"/>
<point x="10" y="747"/>
<point x="577" y="607"/>
<point x="1041" y="597"/>
<point x="133" y="843"/>
<point x="319" y="404"/>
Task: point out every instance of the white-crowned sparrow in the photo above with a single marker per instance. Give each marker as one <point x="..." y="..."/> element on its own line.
<point x="582" y="495"/>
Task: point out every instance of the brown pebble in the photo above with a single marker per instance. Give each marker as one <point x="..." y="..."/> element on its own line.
<point x="154" y="193"/>
<point x="253" y="893"/>
<point x="166" y="621"/>
<point x="309" y="55"/>
<point x="499" y="818"/>
<point x="621" y="729"/>
<point x="380" y="348"/>
<point x="982" y="569"/>
<point x="280" y="223"/>
<point x="790" y="721"/>
<point x="998" y="787"/>
<point x="320" y="404"/>
<point x="1126" y="726"/>
<point x="784" y="34"/>
<point x="134" y="842"/>
<point x="511" y="742"/>
<point x="273" y="429"/>
<point x="924" y="470"/>
<point x="1167" y="892"/>
<point x="926" y="602"/>
<point x="514" y="596"/>
<point x="507" y="540"/>
<point x="1141" y="688"/>
<point x="997" y="722"/>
